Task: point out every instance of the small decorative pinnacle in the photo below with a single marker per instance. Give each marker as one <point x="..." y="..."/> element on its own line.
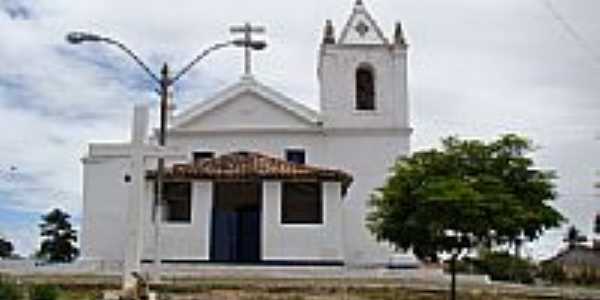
<point x="329" y="33"/>
<point x="359" y="2"/>
<point x="399" y="38"/>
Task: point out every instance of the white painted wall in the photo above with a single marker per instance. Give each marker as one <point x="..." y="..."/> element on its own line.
<point x="316" y="242"/>
<point x="337" y="72"/>
<point x="369" y="161"/>
<point x="183" y="241"/>
<point x="366" y="154"/>
<point x="248" y="111"/>
<point x="105" y="195"/>
<point x="371" y="36"/>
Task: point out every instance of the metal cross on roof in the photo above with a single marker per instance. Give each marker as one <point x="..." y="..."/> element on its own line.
<point x="247" y="29"/>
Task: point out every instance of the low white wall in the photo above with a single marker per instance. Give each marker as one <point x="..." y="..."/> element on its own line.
<point x="79" y="267"/>
<point x="322" y="242"/>
<point x="114" y="268"/>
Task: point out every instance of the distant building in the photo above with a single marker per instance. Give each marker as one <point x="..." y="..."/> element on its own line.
<point x="577" y="258"/>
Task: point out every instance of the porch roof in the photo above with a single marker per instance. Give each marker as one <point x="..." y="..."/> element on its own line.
<point x="252" y="166"/>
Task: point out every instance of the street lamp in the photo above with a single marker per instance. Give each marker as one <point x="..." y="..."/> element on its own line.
<point x="164" y="82"/>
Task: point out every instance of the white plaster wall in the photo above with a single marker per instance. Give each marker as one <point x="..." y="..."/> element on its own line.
<point x="371" y="37"/>
<point x="104" y="217"/>
<point x="183" y="241"/>
<point x="337" y="71"/>
<point x="369" y="160"/>
<point x="302" y="242"/>
<point x="104" y="208"/>
<point x="272" y="144"/>
<point x="247" y="111"/>
<point x="366" y="154"/>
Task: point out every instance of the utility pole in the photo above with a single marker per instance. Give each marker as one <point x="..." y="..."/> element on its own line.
<point x="165" y="83"/>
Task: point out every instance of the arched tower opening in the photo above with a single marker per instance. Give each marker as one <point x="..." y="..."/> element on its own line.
<point x="365" y="87"/>
<point x="363" y="75"/>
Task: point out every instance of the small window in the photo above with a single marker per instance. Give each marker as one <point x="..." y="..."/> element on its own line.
<point x="202" y="155"/>
<point x="297" y="156"/>
<point x="301" y="203"/>
<point x="365" y="88"/>
<point x="178" y="198"/>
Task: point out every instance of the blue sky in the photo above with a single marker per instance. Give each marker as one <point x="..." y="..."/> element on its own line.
<point x="478" y="68"/>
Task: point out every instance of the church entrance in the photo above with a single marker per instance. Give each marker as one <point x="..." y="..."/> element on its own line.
<point x="236" y="216"/>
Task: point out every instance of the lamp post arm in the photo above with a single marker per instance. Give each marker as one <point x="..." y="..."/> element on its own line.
<point x="199" y="58"/>
<point x="134" y="56"/>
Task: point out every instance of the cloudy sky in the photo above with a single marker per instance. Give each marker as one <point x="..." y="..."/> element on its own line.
<point x="478" y="68"/>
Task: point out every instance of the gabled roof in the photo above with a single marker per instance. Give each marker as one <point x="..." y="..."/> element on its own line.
<point x="245" y="85"/>
<point x="253" y="166"/>
<point x="359" y="18"/>
<point x="579" y="255"/>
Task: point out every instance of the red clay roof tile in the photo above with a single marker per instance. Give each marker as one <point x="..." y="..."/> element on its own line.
<point x="252" y="166"/>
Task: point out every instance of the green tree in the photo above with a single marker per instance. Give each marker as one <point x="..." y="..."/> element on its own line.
<point x="6" y="248"/>
<point x="469" y="192"/>
<point x="58" y="237"/>
<point x="597" y="224"/>
<point x="488" y="192"/>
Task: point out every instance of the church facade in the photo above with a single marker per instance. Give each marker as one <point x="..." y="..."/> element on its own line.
<point x="259" y="177"/>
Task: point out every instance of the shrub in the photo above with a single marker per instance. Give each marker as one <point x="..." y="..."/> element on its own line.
<point x="553" y="273"/>
<point x="43" y="292"/>
<point x="586" y="276"/>
<point x="467" y="265"/>
<point x="500" y="266"/>
<point x="9" y="291"/>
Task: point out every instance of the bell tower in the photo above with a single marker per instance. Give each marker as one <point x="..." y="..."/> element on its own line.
<point x="363" y="75"/>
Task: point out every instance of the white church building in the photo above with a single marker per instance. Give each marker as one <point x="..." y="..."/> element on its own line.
<point x="260" y="178"/>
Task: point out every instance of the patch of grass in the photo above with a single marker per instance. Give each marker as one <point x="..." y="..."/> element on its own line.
<point x="10" y="290"/>
<point x="80" y="295"/>
<point x="272" y="297"/>
<point x="299" y="289"/>
<point x="44" y="292"/>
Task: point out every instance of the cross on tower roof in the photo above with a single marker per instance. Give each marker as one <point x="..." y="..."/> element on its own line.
<point x="247" y="29"/>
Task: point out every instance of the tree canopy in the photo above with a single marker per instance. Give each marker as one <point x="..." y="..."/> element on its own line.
<point x="58" y="237"/>
<point x="488" y="192"/>
<point x="597" y="224"/>
<point x="6" y="248"/>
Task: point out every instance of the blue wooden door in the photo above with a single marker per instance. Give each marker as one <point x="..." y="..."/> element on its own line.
<point x="235" y="236"/>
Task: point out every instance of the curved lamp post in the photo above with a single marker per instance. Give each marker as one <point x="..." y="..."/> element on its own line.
<point x="164" y="82"/>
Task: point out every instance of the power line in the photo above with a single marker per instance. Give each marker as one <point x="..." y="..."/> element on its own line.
<point x="570" y="29"/>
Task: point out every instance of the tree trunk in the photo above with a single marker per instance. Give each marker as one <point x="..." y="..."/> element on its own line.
<point x="453" y="274"/>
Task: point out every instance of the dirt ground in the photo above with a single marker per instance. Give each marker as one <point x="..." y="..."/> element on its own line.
<point x="91" y="288"/>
